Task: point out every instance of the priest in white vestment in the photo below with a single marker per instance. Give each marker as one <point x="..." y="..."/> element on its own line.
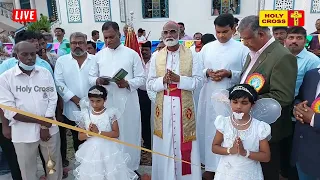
<point x="174" y="74"/>
<point x="222" y="64"/>
<point x="123" y="94"/>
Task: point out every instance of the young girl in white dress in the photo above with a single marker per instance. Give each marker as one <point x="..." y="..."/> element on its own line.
<point x="241" y="140"/>
<point x="100" y="159"/>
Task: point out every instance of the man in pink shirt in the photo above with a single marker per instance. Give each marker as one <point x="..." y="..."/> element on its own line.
<point x="272" y="70"/>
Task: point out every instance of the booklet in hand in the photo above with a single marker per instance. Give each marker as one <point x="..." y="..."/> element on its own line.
<point x="119" y="75"/>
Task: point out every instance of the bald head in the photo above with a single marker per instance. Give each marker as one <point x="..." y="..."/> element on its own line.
<point x="26" y="53"/>
<point x="23" y="45"/>
<point x="172" y="25"/>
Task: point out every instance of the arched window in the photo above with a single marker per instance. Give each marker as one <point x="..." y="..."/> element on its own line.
<point x="225" y="6"/>
<point x="155" y="9"/>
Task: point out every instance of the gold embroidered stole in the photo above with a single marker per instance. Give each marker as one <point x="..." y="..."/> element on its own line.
<point x="187" y="104"/>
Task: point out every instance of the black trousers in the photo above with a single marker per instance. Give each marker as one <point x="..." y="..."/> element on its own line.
<point x="271" y="169"/>
<point x="287" y="170"/>
<point x="10" y="154"/>
<point x="63" y="138"/>
<point x="145" y="109"/>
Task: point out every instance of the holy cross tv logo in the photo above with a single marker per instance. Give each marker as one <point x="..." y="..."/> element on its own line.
<point x="28" y="89"/>
<point x="279" y="18"/>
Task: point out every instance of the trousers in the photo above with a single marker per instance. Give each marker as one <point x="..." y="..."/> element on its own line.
<point x="27" y="157"/>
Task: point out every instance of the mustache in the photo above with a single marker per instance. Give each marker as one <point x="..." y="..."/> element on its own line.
<point x="169" y="39"/>
<point x="293" y="44"/>
<point x="79" y="49"/>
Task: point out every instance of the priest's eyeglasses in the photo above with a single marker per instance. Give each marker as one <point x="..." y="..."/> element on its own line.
<point x="171" y="32"/>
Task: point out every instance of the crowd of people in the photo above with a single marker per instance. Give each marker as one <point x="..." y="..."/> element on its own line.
<point x="164" y="98"/>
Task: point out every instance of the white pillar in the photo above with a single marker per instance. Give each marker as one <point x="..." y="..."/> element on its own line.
<point x="32" y="4"/>
<point x="17" y="4"/>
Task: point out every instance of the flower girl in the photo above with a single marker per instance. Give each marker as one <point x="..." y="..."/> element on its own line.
<point x="241" y="139"/>
<point x="98" y="158"/>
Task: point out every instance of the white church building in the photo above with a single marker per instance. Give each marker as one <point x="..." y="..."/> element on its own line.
<point x="151" y="15"/>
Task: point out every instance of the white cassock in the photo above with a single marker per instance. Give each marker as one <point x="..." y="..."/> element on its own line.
<point x="109" y="61"/>
<point x="215" y="55"/>
<point x="163" y="167"/>
<point x="196" y="92"/>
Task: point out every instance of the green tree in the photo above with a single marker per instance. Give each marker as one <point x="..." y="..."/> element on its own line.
<point x="42" y="24"/>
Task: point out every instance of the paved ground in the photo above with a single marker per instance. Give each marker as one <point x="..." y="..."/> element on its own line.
<point x="142" y="170"/>
<point x="145" y="167"/>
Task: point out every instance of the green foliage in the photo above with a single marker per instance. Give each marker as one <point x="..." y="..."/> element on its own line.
<point x="42" y="24"/>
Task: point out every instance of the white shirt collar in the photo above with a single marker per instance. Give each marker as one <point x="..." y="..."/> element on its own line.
<point x="252" y="53"/>
<point x="89" y="56"/>
<point x="119" y="47"/>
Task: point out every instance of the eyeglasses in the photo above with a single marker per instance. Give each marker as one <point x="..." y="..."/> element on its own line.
<point x="171" y="32"/>
<point x="77" y="43"/>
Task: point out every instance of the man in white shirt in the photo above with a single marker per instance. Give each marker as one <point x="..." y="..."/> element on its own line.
<point x="222" y="64"/>
<point x="71" y="74"/>
<point x="141" y="35"/>
<point x="145" y="103"/>
<point x="95" y="36"/>
<point x="122" y="93"/>
<point x="31" y="88"/>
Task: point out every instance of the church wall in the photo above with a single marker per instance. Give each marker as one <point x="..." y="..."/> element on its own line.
<point x="87" y="24"/>
<point x="196" y="15"/>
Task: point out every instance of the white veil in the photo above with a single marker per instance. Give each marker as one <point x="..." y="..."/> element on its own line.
<point x="266" y="109"/>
